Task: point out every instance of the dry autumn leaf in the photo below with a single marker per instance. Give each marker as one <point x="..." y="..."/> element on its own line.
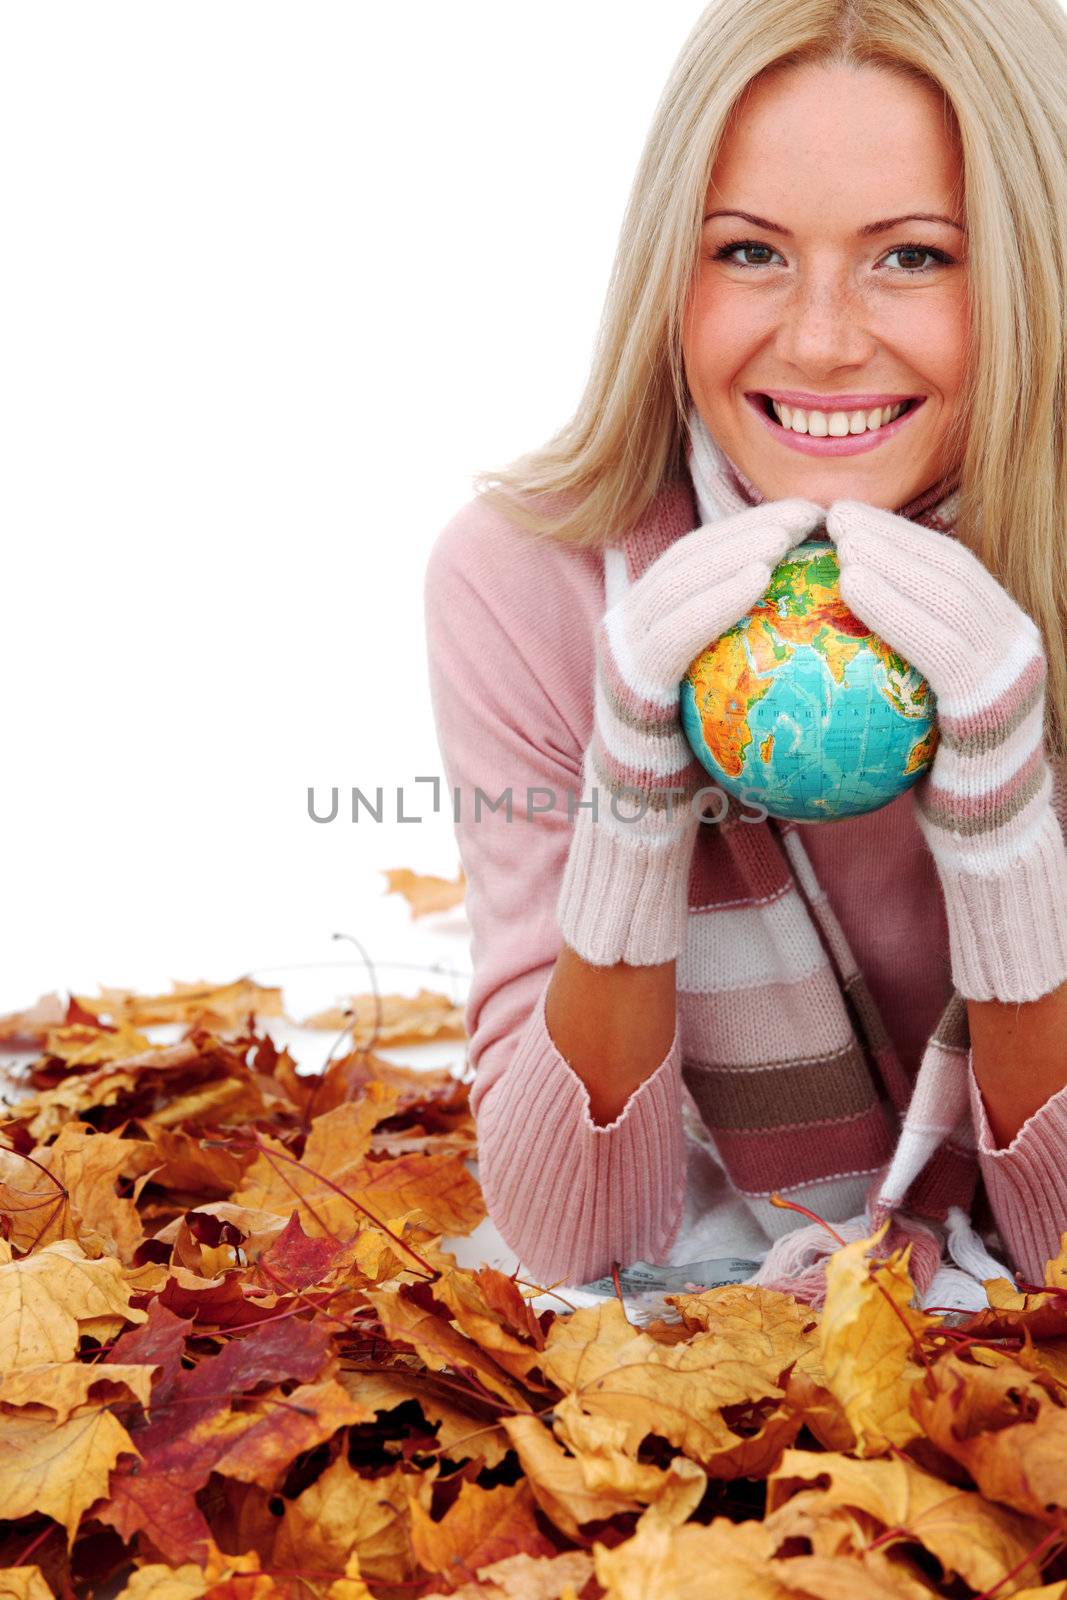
<point x="209" y="1005"/>
<point x="425" y="893"/>
<point x="239" y="1361"/>
<point x="393" y="1019"/>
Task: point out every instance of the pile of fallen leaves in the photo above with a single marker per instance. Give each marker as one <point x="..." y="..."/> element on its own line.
<point x="239" y="1362"/>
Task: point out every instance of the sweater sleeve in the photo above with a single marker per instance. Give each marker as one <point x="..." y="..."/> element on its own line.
<point x="1026" y="1180"/>
<point x="510" y="624"/>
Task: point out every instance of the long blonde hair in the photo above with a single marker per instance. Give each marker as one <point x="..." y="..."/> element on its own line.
<point x="1001" y="66"/>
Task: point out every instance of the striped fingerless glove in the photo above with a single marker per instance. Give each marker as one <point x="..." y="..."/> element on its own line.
<point x="985" y="807"/>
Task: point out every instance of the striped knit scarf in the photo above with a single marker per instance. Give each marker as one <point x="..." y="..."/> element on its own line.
<point x="784" y="1052"/>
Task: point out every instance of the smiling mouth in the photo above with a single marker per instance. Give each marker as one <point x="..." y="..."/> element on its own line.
<point x="888" y="414"/>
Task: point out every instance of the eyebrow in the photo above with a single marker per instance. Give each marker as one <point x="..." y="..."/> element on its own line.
<point x="864" y="232"/>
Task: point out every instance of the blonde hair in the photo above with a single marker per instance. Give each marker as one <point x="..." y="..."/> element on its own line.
<point x="1001" y="66"/>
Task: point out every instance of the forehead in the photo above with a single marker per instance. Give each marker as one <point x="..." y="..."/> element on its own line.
<point x="839" y="139"/>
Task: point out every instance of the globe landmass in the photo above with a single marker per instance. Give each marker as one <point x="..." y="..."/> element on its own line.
<point x="800" y="708"/>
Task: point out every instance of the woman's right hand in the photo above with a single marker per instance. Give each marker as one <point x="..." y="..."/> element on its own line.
<point x="699" y="587"/>
<point x="624" y="890"/>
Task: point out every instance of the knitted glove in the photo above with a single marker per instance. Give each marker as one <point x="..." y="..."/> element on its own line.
<point x="985" y="806"/>
<point x="624" y="895"/>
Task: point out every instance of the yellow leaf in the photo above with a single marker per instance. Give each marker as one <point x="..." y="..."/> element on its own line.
<point x="392" y="1019"/>
<point x="969" y="1536"/>
<point x="63" y="1386"/>
<point x="677" y="1391"/>
<point x="23" y="1583"/>
<point x="342" y="1512"/>
<point x="58" y="1469"/>
<point x="49" y="1299"/>
<point x="157" y="1582"/>
<point x="867" y="1343"/>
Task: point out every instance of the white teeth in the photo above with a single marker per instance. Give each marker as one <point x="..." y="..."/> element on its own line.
<point x="835" y="424"/>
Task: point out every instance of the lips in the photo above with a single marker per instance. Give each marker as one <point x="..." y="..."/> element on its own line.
<point x="849" y="444"/>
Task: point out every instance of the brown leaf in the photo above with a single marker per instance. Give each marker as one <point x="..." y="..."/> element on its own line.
<point x="393" y="1019"/>
<point x="561" y="1577"/>
<point x="19" y="1029"/>
<point x="677" y="1391"/>
<point x="1001" y="1424"/>
<point x="425" y="893"/>
<point x="215" y="1006"/>
<point x="187" y="1433"/>
<point x="264" y="1443"/>
<point x="343" y="1512"/>
<point x="481" y="1526"/>
<point x="404" y="1317"/>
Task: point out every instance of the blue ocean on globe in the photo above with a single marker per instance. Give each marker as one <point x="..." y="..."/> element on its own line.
<point x="800" y="708"/>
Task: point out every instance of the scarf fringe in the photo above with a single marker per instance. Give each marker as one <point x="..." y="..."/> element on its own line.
<point x="796" y="1263"/>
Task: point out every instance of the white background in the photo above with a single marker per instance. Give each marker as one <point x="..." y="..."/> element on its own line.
<point x="278" y="280"/>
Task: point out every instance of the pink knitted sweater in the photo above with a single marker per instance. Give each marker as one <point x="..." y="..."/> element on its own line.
<point x="510" y="635"/>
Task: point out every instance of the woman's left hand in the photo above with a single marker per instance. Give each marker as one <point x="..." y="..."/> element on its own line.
<point x="985" y="806"/>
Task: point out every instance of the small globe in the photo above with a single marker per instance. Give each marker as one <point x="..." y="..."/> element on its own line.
<point x="800" y="708"/>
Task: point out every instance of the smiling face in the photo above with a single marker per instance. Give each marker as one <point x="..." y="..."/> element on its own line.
<point x="806" y="307"/>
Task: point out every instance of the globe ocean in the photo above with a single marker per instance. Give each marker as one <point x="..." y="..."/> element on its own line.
<point x="799" y="707"/>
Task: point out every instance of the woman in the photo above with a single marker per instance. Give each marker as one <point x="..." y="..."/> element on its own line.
<point x="838" y="298"/>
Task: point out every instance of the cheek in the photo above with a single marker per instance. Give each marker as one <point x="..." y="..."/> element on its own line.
<point x="930" y="332"/>
<point x="723" y="326"/>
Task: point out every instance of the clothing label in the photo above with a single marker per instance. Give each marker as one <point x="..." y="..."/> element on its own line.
<point x="692" y="1276"/>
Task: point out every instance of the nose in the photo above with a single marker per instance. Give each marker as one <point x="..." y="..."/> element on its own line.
<point x="824" y="323"/>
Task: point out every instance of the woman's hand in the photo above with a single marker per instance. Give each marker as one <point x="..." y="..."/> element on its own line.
<point x="624" y="891"/>
<point x="985" y="806"/>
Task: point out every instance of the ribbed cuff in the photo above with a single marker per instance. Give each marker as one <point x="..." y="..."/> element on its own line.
<point x="625" y="900"/>
<point x="1008" y="934"/>
<point x="568" y="1195"/>
<point x="1026" y="1181"/>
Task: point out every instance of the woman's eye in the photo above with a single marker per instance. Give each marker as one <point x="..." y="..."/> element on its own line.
<point x="727" y="251"/>
<point x="940" y="257"/>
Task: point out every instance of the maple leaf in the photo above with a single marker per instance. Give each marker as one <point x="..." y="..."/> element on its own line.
<point x="257" y="1448"/>
<point x="65" y="1386"/>
<point x="977" y="1541"/>
<point x="560" y="1577"/>
<point x="342" y="1512"/>
<point x="425" y="893"/>
<point x="49" y="1299"/>
<point x="30" y="1027"/>
<point x="157" y="1582"/>
<point x="333" y="1154"/>
<point x="215" y="1006"/>
<point x="24" y="1583"/>
<point x="392" y="1019"/>
<point x="89" y="1166"/>
<point x="158" y="1344"/>
<point x="1004" y="1427"/>
<point x="677" y="1391"/>
<point x="186" y="1435"/>
<point x="599" y="1478"/>
<point x="481" y="1526"/>
<point x="867" y="1341"/>
<point x="59" y="1468"/>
